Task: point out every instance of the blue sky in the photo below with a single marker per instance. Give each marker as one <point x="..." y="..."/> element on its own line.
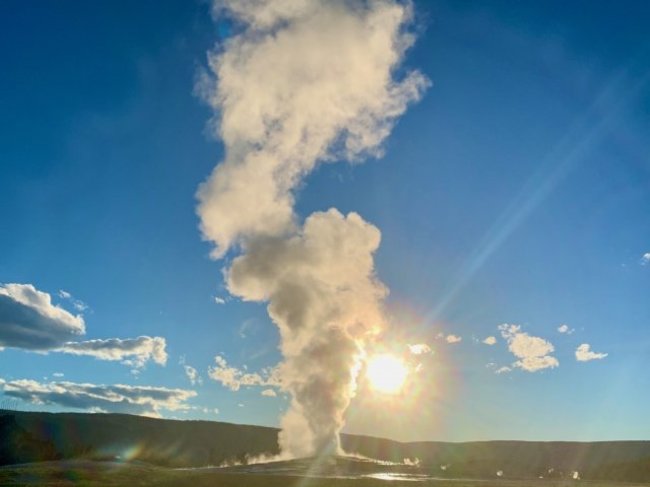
<point x="516" y="190"/>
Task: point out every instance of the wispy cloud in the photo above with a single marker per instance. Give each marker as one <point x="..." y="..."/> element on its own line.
<point x="533" y="352"/>
<point x="77" y="304"/>
<point x="234" y="378"/>
<point x="585" y="354"/>
<point x="269" y="393"/>
<point x="645" y="258"/>
<point x="30" y="321"/>
<point x="191" y="373"/>
<point x="118" y="398"/>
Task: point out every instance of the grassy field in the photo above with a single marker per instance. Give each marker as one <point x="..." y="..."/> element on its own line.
<point x="116" y="474"/>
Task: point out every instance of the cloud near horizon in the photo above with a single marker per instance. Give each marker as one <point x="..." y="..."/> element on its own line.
<point x="533" y="352"/>
<point x="30" y="321"/>
<point x="234" y="378"/>
<point x="117" y="398"/>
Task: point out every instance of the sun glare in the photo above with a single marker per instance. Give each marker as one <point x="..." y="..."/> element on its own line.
<point x="386" y="373"/>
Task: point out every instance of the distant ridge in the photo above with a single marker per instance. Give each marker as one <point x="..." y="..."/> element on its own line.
<point x="34" y="436"/>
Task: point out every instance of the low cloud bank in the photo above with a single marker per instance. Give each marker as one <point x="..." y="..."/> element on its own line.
<point x="117" y="398"/>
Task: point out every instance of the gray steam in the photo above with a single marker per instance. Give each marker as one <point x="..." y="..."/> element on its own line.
<point x="305" y="81"/>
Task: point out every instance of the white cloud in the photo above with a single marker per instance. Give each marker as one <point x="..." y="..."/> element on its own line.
<point x="503" y="370"/>
<point x="585" y="354"/>
<point x="419" y="348"/>
<point x="269" y="393"/>
<point x="453" y="339"/>
<point x="29" y="321"/>
<point x="220" y="300"/>
<point x="118" y="398"/>
<point x="134" y="352"/>
<point x="565" y="329"/>
<point x="490" y="340"/>
<point x="58" y="375"/>
<point x="234" y="378"/>
<point x="533" y="352"/>
<point x="645" y="258"/>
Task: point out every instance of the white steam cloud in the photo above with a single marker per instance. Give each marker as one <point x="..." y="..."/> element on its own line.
<point x="303" y="82"/>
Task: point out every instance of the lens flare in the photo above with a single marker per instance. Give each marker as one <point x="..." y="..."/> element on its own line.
<point x="386" y="373"/>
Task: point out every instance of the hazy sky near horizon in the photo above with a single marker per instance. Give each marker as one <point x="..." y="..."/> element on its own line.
<point x="513" y="201"/>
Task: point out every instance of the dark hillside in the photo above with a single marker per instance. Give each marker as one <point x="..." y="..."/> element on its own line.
<point x="34" y="436"/>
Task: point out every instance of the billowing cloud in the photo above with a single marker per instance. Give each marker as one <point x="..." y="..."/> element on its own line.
<point x="309" y="83"/>
<point x="533" y="352"/>
<point x="490" y="340"/>
<point x="29" y="321"/>
<point x="585" y="354"/>
<point x="419" y="348"/>
<point x="234" y="378"/>
<point x="645" y="258"/>
<point x="303" y="82"/>
<point x="118" y="398"/>
<point x="134" y="352"/>
<point x="565" y="329"/>
<point x="453" y="339"/>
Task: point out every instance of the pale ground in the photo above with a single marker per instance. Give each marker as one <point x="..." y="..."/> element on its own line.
<point x="68" y="473"/>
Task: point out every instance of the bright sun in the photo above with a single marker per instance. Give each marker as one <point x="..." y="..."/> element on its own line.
<point x="386" y="373"/>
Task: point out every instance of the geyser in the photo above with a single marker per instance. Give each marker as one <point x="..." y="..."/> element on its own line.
<point x="302" y="82"/>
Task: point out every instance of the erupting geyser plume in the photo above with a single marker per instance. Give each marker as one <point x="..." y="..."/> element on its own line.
<point x="303" y="82"/>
